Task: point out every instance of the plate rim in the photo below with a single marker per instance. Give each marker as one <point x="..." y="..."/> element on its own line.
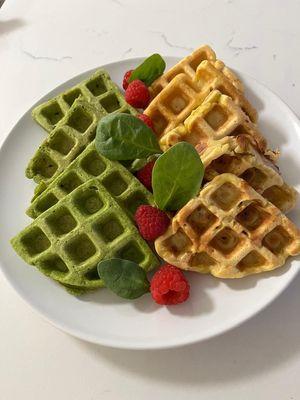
<point x="185" y="340"/>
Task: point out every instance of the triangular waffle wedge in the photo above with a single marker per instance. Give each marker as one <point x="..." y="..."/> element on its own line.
<point x="189" y="65"/>
<point x="74" y="132"/>
<point x="238" y="155"/>
<point x="183" y="94"/>
<point x="98" y="88"/>
<point x="209" y="76"/>
<point x="218" y="116"/>
<point x="118" y="181"/>
<point x="230" y="231"/>
<point x="67" y="241"/>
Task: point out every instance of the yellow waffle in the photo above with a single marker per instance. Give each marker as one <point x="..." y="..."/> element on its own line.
<point x="182" y="95"/>
<point x="237" y="155"/>
<point x="189" y="65"/>
<point x="218" y="116"/>
<point x="209" y="75"/>
<point x="230" y="231"/>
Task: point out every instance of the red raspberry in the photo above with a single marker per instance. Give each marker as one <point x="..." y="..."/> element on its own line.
<point x="151" y="222"/>
<point x="144" y="175"/>
<point x="147" y="120"/>
<point x="169" y="286"/>
<point x="137" y="94"/>
<point x="126" y="79"/>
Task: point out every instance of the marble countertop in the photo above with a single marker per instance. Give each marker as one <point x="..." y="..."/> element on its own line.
<point x="43" y="43"/>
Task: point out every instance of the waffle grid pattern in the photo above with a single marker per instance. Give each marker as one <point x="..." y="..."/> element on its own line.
<point x="67" y="140"/>
<point x="98" y="88"/>
<point x="230" y="231"/>
<point x="237" y="155"/>
<point x="182" y="95"/>
<point x="117" y="180"/>
<point x="67" y="241"/>
<point x="218" y="116"/>
<point x="189" y="65"/>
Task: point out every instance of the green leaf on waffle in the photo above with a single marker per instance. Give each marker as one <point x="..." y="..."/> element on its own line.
<point x="125" y="137"/>
<point x="125" y="278"/>
<point x="150" y="69"/>
<point x="139" y="163"/>
<point x="177" y="176"/>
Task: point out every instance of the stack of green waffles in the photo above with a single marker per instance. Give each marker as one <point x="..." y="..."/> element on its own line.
<point x="84" y="204"/>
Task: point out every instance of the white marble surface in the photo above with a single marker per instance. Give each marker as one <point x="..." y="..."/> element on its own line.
<point x="43" y="43"/>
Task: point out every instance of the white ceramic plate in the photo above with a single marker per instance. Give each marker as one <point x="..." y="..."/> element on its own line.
<point x="214" y="306"/>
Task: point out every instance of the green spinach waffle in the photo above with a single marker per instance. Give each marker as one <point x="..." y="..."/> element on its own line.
<point x="67" y="241"/>
<point x="75" y="131"/>
<point x="97" y="88"/>
<point x="117" y="180"/>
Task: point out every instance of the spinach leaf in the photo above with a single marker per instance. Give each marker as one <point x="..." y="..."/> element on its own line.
<point x="125" y="137"/>
<point x="150" y="69"/>
<point x="125" y="278"/>
<point x="139" y="163"/>
<point x="177" y="176"/>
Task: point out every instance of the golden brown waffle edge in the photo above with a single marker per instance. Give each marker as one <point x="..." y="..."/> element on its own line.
<point x="183" y="94"/>
<point x="188" y="65"/>
<point x="218" y="116"/>
<point x="229" y="231"/>
<point x="239" y="156"/>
